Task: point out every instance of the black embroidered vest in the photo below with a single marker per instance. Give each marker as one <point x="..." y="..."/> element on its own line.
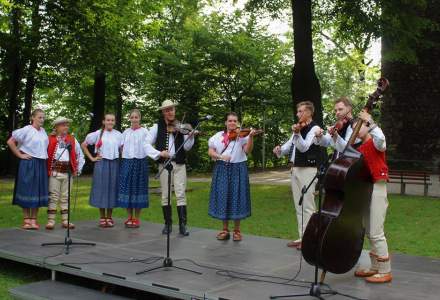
<point x="310" y="157"/>
<point x="162" y="142"/>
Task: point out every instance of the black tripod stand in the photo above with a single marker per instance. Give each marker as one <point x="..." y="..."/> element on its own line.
<point x="67" y="240"/>
<point x="168" y="262"/>
<point x="315" y="289"/>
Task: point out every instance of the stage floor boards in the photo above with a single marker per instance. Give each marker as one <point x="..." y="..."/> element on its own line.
<point x="120" y="253"/>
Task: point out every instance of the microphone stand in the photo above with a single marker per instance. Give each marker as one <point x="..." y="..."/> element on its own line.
<point x="315" y="289"/>
<point x="168" y="262"/>
<point x="67" y="240"/>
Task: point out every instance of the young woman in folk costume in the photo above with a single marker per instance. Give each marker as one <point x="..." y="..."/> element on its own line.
<point x="230" y="193"/>
<point x="105" y="184"/>
<point x="133" y="177"/>
<point x="29" y="144"/>
<point x="64" y="157"/>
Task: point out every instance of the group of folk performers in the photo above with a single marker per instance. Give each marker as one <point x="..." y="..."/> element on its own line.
<point x="302" y="153"/>
<point x="45" y="164"/>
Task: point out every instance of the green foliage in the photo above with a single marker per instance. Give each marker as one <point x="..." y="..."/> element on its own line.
<point x="208" y="61"/>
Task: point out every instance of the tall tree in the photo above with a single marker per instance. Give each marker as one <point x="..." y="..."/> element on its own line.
<point x="14" y="66"/>
<point x="305" y="83"/>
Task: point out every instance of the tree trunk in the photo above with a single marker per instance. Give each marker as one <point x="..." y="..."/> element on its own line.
<point x="305" y="84"/>
<point x="14" y="75"/>
<point x="98" y="106"/>
<point x="14" y="69"/>
<point x="30" y="79"/>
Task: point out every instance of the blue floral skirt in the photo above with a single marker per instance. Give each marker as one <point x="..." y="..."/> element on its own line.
<point x="105" y="185"/>
<point x="31" y="184"/>
<point x="230" y="193"/>
<point x="133" y="183"/>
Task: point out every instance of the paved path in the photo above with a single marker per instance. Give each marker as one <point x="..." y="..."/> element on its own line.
<point x="282" y="177"/>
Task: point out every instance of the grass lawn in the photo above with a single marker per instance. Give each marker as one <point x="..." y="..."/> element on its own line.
<point x="411" y="226"/>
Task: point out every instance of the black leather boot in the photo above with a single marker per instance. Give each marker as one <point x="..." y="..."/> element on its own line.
<point x="166" y="209"/>
<point x="181" y="212"/>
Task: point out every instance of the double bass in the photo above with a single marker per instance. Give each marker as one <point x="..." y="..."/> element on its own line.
<point x="334" y="236"/>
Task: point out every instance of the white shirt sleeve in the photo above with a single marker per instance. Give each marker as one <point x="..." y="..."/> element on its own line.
<point x="188" y="144"/>
<point x="323" y="141"/>
<point x="122" y="139"/>
<point x="378" y="139"/>
<point x="20" y="134"/>
<point x="211" y="143"/>
<point x="153" y="133"/>
<point x="148" y="147"/>
<point x="304" y="144"/>
<point x="92" y="138"/>
<point x="285" y="148"/>
<point x="340" y="143"/>
<point x="79" y="156"/>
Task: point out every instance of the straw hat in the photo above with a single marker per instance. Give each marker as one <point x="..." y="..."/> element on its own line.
<point x="166" y="104"/>
<point x="61" y="120"/>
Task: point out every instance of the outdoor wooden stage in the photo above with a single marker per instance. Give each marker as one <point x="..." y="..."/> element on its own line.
<point x="120" y="253"/>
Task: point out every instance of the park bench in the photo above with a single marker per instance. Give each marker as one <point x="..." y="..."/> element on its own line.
<point x="405" y="177"/>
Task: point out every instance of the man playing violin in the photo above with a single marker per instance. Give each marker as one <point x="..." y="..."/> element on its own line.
<point x="343" y="111"/>
<point x="230" y="194"/>
<point x="303" y="155"/>
<point x="373" y="147"/>
<point x="166" y="138"/>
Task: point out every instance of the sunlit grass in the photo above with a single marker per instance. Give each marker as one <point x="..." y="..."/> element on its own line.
<point x="411" y="225"/>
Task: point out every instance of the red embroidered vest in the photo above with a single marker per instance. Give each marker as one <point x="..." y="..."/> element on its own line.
<point x="374" y="160"/>
<point x="51" y="149"/>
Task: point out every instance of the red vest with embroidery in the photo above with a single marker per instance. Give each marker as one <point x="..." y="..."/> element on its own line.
<point x="374" y="160"/>
<point x="52" y="148"/>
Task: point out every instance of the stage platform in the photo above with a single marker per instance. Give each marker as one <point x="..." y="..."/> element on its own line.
<point x="120" y="253"/>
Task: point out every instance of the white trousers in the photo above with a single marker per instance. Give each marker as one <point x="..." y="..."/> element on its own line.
<point x="58" y="193"/>
<point x="178" y="179"/>
<point x="375" y="219"/>
<point x="301" y="176"/>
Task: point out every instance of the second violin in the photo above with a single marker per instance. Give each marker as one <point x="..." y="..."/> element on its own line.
<point x="242" y="132"/>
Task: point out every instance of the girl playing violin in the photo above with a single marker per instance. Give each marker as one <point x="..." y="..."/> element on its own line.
<point x="230" y="194"/>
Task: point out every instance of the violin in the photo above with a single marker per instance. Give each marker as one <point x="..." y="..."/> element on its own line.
<point x="242" y="132"/>
<point x="302" y="122"/>
<point x="182" y="128"/>
<point x="339" y="125"/>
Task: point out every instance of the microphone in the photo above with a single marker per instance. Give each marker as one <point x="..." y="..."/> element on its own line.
<point x="207" y="117"/>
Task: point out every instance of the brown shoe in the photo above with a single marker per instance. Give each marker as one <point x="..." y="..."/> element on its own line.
<point x="236" y="236"/>
<point x="223" y="235"/>
<point x="294" y="244"/>
<point x="27" y="225"/>
<point x="365" y="273"/>
<point x="380" y="278"/>
<point x="34" y="224"/>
